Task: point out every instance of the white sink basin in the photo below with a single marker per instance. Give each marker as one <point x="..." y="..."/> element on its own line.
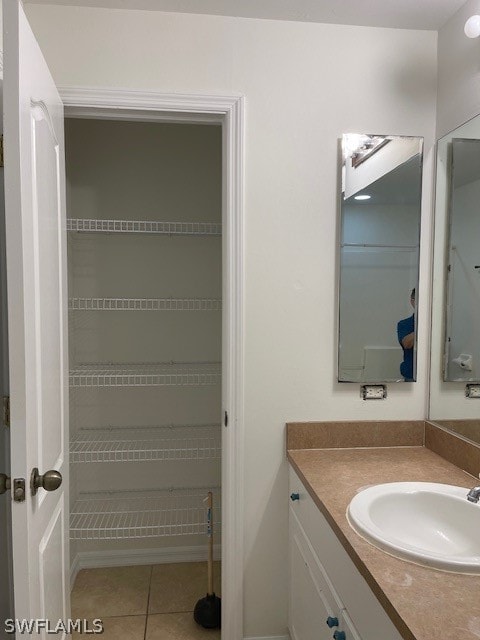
<point x="427" y="523"/>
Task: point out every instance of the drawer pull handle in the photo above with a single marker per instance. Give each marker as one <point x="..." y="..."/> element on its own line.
<point x="339" y="635"/>
<point x="332" y="622"/>
<point x="294" y="496"/>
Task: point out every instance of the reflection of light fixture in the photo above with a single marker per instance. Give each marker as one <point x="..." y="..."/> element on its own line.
<point x="472" y="27"/>
<point x="362" y="197"/>
<point x="367" y="149"/>
<point x="352" y="142"/>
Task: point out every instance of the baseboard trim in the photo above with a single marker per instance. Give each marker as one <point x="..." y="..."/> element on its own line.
<point x="127" y="558"/>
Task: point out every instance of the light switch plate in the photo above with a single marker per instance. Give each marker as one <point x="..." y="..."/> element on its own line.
<point x="373" y="391"/>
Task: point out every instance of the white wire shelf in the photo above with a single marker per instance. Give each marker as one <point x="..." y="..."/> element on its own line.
<point x="189" y="374"/>
<point x="145" y="304"/>
<point x="145" y="226"/>
<point x="142" y="514"/>
<point x="147" y="444"/>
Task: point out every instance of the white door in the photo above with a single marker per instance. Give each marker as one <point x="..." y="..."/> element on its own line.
<point x="36" y="282"/>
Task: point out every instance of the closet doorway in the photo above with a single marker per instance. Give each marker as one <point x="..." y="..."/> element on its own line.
<point x="155" y="356"/>
<point x="37" y="312"/>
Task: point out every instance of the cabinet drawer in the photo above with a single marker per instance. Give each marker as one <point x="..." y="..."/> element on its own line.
<point x="315" y="609"/>
<point x="319" y="575"/>
<point x="351" y="589"/>
<point x="310" y="603"/>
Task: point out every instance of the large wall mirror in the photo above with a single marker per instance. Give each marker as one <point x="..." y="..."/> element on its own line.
<point x="455" y="359"/>
<point x="462" y="320"/>
<point x="379" y="257"/>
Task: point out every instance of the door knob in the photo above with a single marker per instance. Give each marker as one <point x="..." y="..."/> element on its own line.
<point x="50" y="480"/>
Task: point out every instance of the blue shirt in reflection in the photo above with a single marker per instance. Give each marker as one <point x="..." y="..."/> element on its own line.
<point x="404" y="327"/>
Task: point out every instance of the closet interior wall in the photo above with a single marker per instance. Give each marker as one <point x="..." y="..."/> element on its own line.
<point x="145" y="337"/>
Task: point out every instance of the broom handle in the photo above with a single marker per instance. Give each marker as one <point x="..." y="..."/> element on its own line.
<point x="210" y="544"/>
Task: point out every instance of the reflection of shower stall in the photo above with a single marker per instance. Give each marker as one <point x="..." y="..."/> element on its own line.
<point x="376" y="280"/>
<point x="462" y="330"/>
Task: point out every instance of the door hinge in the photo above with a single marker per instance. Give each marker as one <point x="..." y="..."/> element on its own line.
<point x="1" y="152"/>
<point x="225" y="419"/>
<point x="6" y="411"/>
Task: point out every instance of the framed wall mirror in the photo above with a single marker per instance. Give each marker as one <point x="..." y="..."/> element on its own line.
<point x="379" y="257"/>
<point x="455" y="352"/>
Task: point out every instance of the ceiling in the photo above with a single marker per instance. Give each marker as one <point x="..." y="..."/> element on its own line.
<point x="399" y="14"/>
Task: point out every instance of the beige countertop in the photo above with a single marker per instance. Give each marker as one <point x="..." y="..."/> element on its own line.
<point x="423" y="603"/>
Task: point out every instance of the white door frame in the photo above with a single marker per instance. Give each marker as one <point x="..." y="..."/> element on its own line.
<point x="6" y="566"/>
<point x="229" y="112"/>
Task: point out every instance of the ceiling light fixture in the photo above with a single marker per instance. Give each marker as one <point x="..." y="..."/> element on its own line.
<point x="472" y="27"/>
<point x="363" y="197"/>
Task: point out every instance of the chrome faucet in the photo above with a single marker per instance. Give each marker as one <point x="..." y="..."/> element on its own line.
<point x="474" y="494"/>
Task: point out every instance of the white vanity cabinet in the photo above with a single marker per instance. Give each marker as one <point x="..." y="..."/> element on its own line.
<point x="328" y="597"/>
<point x="314" y="611"/>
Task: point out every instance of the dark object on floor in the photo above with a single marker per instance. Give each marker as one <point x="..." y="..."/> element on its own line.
<point x="207" y="612"/>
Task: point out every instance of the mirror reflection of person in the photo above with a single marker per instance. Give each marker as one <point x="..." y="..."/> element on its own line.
<point x="406" y="338"/>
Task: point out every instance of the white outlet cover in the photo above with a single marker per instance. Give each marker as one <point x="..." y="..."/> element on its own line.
<point x="373" y="391"/>
<point x="472" y="391"/>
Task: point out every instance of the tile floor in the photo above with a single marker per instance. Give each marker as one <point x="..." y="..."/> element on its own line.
<point x="145" y="603"/>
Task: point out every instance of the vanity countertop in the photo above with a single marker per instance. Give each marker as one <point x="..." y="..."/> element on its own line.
<point x="424" y="603"/>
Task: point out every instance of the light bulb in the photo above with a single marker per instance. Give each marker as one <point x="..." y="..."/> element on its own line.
<point x="362" y="197"/>
<point x="472" y="27"/>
